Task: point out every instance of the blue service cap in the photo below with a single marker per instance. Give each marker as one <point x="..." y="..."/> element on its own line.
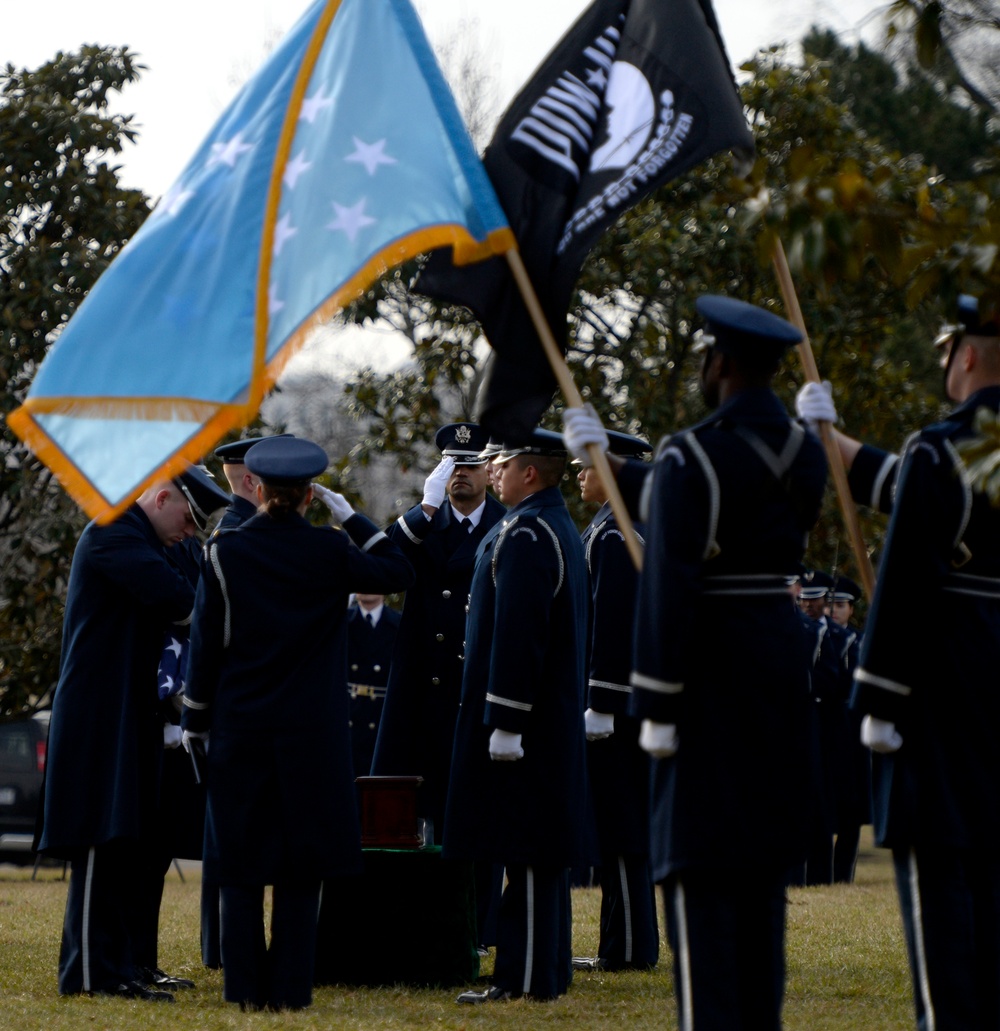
<point x="815" y="584"/>
<point x="236" y="451"/>
<point x="735" y="327"/>
<point x="284" y="461"/>
<point x="625" y="445"/>
<point x="202" y="494"/>
<point x="968" y="321"/>
<point x="546" y="443"/>
<point x="845" y="589"/>
<point x="463" y="441"/>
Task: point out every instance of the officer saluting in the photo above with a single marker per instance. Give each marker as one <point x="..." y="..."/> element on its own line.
<point x="439" y="537"/>
<point x="267" y="683"/>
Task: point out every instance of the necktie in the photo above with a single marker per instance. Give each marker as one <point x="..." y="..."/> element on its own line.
<point x="466" y="524"/>
<point x="369" y="621"/>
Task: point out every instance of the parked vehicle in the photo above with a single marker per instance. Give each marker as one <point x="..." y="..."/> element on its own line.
<point x="23" y="742"/>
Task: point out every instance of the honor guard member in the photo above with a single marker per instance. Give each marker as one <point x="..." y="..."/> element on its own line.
<point x="439" y="537"/>
<point x="619" y="769"/>
<point x="101" y="802"/>
<point x="721" y="677"/>
<point x="830" y="688"/>
<point x="930" y="712"/>
<point x="242" y="506"/>
<point x="267" y="692"/>
<point x="515" y="794"/>
<point x="371" y="635"/>
<point x="242" y="482"/>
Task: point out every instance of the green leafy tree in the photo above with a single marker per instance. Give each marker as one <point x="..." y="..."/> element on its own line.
<point x="63" y="217"/>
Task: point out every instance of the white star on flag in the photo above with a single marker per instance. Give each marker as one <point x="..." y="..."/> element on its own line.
<point x="274" y="305"/>
<point x="283" y="232"/>
<point x="351" y="220"/>
<point x="371" y="155"/>
<point x="229" y="152"/>
<point x="295" y="168"/>
<point x="174" y="646"/>
<point x="312" y="106"/>
<point x="173" y="200"/>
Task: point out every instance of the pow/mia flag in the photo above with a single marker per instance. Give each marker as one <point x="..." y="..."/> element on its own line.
<point x="636" y="92"/>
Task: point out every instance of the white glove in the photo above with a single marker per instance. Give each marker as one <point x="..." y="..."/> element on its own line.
<point x="436" y="484"/>
<point x="598" y="725"/>
<point x="339" y="506"/>
<point x="172" y="735"/>
<point x="880" y="735"/>
<point x="581" y="427"/>
<point x="659" y="739"/>
<point x="814" y="404"/>
<point x="505" y="746"/>
<point x="191" y="735"/>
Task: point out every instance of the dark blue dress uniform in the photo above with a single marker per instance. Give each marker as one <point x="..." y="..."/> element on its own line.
<point x="619" y="769"/>
<point x="105" y="742"/>
<point x="268" y="676"/>
<point x="830" y="690"/>
<point x="937" y="800"/>
<point x="720" y="653"/>
<point x="525" y="673"/>
<point x="418" y="720"/>
<point x="369" y="656"/>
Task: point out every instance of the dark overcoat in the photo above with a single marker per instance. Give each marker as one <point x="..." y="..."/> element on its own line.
<point x="720" y="650"/>
<point x="267" y="677"/>
<point x="942" y="788"/>
<point x="525" y="672"/>
<point x="421" y="704"/>
<point x="106" y="733"/>
<point x="619" y="768"/>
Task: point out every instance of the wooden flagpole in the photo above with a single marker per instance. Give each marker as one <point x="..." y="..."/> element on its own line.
<point x="835" y="460"/>
<point x="573" y="398"/>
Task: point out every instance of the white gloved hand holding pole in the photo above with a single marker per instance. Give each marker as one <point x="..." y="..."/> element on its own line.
<point x="505" y="747"/>
<point x="339" y="506"/>
<point x="658" y="739"/>
<point x="814" y="404"/>
<point x="436" y="484"/>
<point x="582" y="427"/>
<point x="598" y="725"/>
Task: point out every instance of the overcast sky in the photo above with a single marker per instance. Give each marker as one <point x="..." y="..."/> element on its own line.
<point x="197" y="52"/>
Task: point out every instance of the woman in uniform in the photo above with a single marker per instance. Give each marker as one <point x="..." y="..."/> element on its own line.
<point x="267" y="686"/>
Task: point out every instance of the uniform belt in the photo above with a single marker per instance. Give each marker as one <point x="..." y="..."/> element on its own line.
<point x="974" y="586"/>
<point x="746" y="585"/>
<point x="365" y="691"/>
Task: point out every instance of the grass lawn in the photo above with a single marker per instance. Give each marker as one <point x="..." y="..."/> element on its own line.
<point x="846" y="971"/>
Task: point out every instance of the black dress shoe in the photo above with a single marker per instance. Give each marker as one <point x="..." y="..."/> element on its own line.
<point x="159" y="979"/>
<point x="588" y="963"/>
<point x="134" y="990"/>
<point x="492" y="994"/>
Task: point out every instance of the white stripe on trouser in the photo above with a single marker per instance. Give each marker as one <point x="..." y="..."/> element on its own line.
<point x="85" y="928"/>
<point x="684" y="955"/>
<point x="919" y="952"/>
<point x="627" y="905"/>
<point x="529" y="952"/>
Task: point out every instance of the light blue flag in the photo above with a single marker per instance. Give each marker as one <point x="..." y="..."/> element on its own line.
<point x="343" y="156"/>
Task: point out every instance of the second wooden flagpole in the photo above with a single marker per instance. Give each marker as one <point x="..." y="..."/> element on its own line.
<point x="574" y="399"/>
<point x="834" y="459"/>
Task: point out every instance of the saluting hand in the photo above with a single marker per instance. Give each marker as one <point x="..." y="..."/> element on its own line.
<point x="339" y="506"/>
<point x="436" y="484"/>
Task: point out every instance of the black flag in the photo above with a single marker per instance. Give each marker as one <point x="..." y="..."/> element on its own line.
<point x="635" y="93"/>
